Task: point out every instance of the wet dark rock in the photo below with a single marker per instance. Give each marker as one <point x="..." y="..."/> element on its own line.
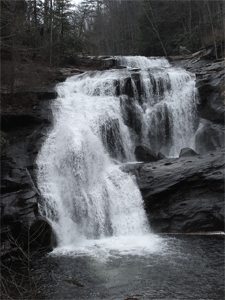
<point x="161" y="155"/>
<point x="137" y="81"/>
<point x="119" y="67"/>
<point x="21" y="224"/>
<point x="44" y="241"/>
<point x="134" y="69"/>
<point x="211" y="100"/>
<point x="142" y="153"/>
<point x="127" y="88"/>
<point x="61" y="78"/>
<point x="116" y="83"/>
<point x="131" y="115"/>
<point x="111" y="138"/>
<point x="108" y="62"/>
<point x="20" y="216"/>
<point x="209" y="137"/>
<point x="160" y="87"/>
<point x="210" y="81"/>
<point x="183" y="194"/>
<point x="45" y="93"/>
<point x="187" y="152"/>
<point x="153" y="82"/>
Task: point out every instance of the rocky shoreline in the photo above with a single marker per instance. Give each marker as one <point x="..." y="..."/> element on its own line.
<point x="181" y="195"/>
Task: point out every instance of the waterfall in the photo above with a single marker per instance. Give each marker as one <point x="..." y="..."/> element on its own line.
<point x="99" y="118"/>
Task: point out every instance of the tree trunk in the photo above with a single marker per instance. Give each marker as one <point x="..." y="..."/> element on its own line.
<point x="213" y="31"/>
<point x="12" y="72"/>
<point x="35" y="13"/>
<point x="154" y="26"/>
<point x="51" y="16"/>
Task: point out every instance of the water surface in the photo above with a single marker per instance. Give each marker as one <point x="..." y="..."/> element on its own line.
<point x="181" y="267"/>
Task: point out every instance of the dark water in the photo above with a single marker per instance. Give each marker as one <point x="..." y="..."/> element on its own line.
<point x="188" y="267"/>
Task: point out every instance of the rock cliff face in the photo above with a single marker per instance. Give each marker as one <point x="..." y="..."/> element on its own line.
<point x="210" y="81"/>
<point x="183" y="194"/>
<point x="21" y="222"/>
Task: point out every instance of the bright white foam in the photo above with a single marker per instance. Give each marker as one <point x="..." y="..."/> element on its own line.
<point x="105" y="248"/>
<point x="142" y="62"/>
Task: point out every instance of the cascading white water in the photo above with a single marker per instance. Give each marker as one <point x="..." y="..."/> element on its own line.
<point x="86" y="193"/>
<point x="167" y="101"/>
<point x="142" y="62"/>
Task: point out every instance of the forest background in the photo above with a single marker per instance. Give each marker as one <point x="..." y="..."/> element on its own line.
<point x="38" y="35"/>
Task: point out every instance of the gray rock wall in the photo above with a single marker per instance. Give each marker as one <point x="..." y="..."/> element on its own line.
<point x="210" y="81"/>
<point x="183" y="194"/>
<point x="21" y="223"/>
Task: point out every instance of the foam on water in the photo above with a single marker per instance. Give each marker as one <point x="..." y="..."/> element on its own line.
<point x="114" y="246"/>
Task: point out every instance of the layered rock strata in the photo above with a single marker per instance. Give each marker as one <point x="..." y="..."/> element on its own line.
<point x="183" y="194"/>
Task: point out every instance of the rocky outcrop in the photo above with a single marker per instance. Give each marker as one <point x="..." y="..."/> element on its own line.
<point x="110" y="134"/>
<point x="21" y="223"/>
<point x="211" y="86"/>
<point x="142" y="153"/>
<point x="131" y="115"/>
<point x="209" y="136"/>
<point x="183" y="194"/>
<point x="210" y="81"/>
<point x="187" y="152"/>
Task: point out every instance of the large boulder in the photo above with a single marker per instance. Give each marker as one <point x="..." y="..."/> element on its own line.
<point x="209" y="136"/>
<point x="187" y="152"/>
<point x="183" y="194"/>
<point x="142" y="153"/>
<point x="161" y="155"/>
<point x="21" y="224"/>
